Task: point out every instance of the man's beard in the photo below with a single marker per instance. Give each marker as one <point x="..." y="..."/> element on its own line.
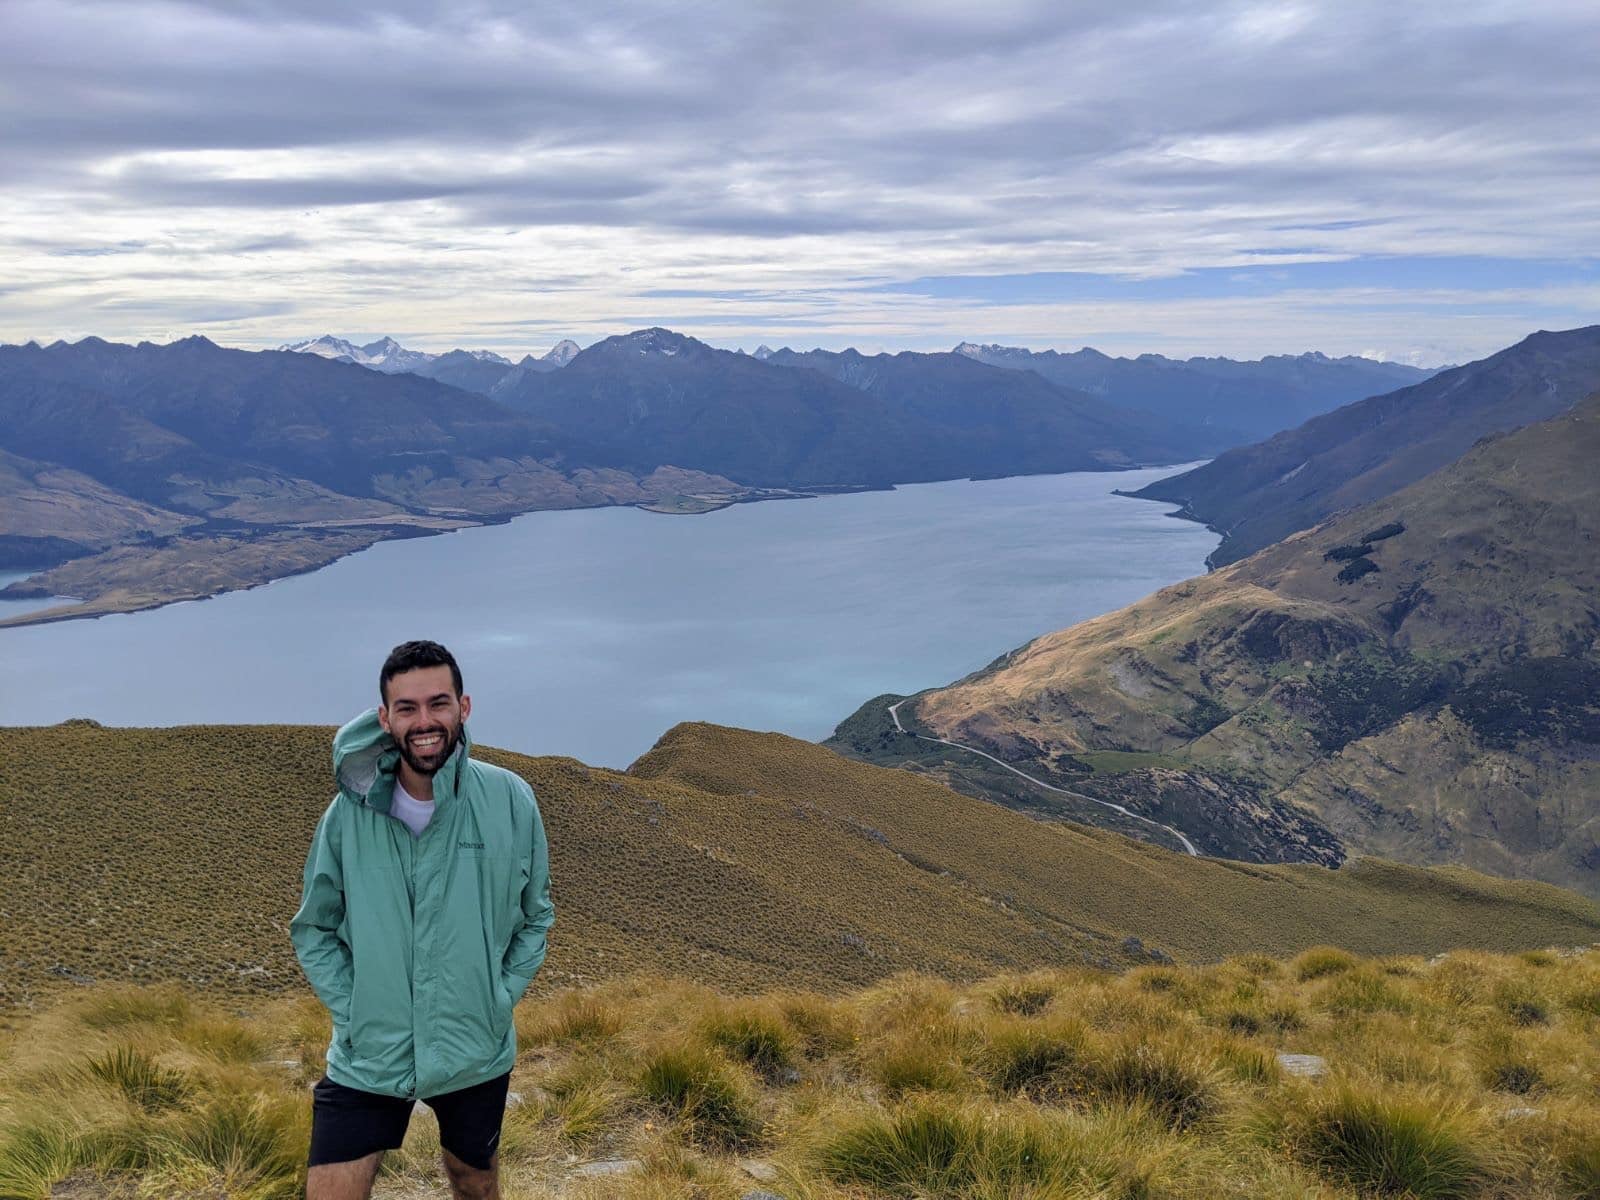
<point x="430" y="765"/>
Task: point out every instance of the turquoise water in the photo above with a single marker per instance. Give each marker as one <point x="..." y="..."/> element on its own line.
<point x="591" y="633"/>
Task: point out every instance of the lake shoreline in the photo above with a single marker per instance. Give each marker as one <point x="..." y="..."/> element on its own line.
<point x="104" y="586"/>
<point x="594" y="630"/>
<point x="111" y="583"/>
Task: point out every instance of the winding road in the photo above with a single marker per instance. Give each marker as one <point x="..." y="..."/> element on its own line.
<point x="1049" y="787"/>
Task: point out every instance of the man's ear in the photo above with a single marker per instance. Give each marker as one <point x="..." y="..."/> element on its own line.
<point x="383" y="719"/>
<point x="466" y="707"/>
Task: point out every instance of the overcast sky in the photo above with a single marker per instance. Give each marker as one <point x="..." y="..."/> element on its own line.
<point x="1418" y="181"/>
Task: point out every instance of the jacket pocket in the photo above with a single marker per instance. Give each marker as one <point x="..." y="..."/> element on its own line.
<point x="503" y="1008"/>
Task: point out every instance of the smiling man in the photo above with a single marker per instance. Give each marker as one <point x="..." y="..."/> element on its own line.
<point x="423" y="918"/>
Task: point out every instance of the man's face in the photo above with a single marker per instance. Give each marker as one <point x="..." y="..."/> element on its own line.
<point x="424" y="716"/>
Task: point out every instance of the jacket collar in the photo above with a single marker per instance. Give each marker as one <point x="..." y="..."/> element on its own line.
<point x="365" y="760"/>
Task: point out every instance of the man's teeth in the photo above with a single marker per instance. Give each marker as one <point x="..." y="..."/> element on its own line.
<point x="427" y="741"/>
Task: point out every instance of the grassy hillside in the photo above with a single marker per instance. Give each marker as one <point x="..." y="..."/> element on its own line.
<point x="1416" y="678"/>
<point x="1464" y="1077"/>
<point x="743" y="860"/>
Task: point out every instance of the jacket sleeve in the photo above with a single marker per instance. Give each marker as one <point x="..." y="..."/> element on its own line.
<point x="323" y="954"/>
<point x="526" y="951"/>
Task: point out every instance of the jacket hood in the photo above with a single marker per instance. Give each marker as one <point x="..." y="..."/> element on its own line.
<point x="365" y="759"/>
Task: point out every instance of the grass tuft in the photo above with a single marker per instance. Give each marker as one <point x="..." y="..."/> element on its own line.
<point x="822" y="1026"/>
<point x="1042" y="1064"/>
<point x="934" y="1147"/>
<point x="755" y="1033"/>
<point x="140" y="1078"/>
<point x="1418" y="1145"/>
<point x="1321" y="961"/>
<point x="1024" y="997"/>
<point x="574" y="1017"/>
<point x="701" y="1091"/>
<point x="34" y="1157"/>
<point x="1175" y="1083"/>
<point x="1522" y="1002"/>
<point x="120" y="1007"/>
<point x="1361" y="991"/>
<point x="1580" y="1169"/>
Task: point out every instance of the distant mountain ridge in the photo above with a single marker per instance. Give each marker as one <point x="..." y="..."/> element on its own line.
<point x="1255" y="495"/>
<point x="251" y="465"/>
<point x="1244" y="400"/>
<point x="136" y="475"/>
<point x="656" y="396"/>
<point x="471" y="370"/>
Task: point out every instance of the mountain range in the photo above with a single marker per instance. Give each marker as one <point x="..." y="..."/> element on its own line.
<point x="1243" y="401"/>
<point x="143" y="474"/>
<point x="1415" y="677"/>
<point x="1255" y="495"/>
<point x="1228" y="402"/>
<point x="481" y="371"/>
<point x="655" y="396"/>
<point x="160" y="472"/>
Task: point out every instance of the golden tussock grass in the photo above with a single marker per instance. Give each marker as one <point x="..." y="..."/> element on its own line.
<point x="1093" y="1085"/>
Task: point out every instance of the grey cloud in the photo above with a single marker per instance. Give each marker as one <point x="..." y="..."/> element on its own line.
<point x="1091" y="136"/>
<point x="843" y="104"/>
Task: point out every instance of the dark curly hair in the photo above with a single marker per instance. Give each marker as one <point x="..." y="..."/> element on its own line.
<point x="409" y="656"/>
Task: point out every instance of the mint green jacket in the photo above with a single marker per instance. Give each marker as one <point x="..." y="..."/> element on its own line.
<point x="420" y="947"/>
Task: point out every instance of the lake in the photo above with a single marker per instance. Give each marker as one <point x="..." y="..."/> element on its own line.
<point x="590" y="633"/>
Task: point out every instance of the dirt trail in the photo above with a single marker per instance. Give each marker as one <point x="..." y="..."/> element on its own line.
<point x="1049" y="787"/>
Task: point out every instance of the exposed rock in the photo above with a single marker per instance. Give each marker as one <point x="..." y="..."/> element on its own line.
<point x="1307" y="1066"/>
<point x="607" y="1166"/>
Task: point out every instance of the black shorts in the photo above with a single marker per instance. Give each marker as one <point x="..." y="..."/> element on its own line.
<point x="347" y="1124"/>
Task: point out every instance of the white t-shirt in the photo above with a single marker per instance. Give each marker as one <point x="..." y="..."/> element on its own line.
<point x="415" y="813"/>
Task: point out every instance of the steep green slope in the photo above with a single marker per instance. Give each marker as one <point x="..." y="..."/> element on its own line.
<point x="748" y="860"/>
<point x="1257" y="494"/>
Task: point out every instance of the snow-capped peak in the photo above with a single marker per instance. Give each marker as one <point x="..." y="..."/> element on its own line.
<point x="763" y="352"/>
<point x="385" y="354"/>
<point x="562" y="352"/>
<point x="328" y="346"/>
<point x="655" y="340"/>
<point x="977" y="350"/>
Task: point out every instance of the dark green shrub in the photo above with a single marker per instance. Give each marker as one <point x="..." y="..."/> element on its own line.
<point x="1383" y="532"/>
<point x="1552" y="698"/>
<point x="1347" y="552"/>
<point x="1355" y="569"/>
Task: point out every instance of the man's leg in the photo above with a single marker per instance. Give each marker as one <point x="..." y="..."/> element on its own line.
<point x="469" y="1137"/>
<point x="469" y="1183"/>
<point x="344" y="1180"/>
<point x="350" y="1130"/>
